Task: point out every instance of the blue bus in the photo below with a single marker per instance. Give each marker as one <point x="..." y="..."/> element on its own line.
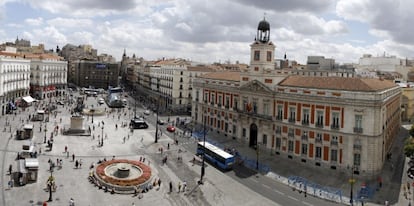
<point x="215" y="155"/>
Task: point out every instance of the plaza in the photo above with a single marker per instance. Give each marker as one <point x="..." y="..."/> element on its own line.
<point x="118" y="143"/>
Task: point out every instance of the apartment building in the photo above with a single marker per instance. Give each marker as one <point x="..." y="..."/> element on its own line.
<point x="14" y="80"/>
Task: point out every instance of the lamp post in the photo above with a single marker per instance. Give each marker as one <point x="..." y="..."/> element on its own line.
<point x="156" y="123"/>
<point x="50" y="184"/>
<point x="204" y="152"/>
<point x="102" y="136"/>
<point x="257" y="156"/>
<point x="352" y="181"/>
<point x="44" y="140"/>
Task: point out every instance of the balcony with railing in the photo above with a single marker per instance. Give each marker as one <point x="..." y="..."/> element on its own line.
<point x="319" y="124"/>
<point x="254" y="114"/>
<point x="318" y="140"/>
<point x="292" y="120"/>
<point x="279" y="117"/>
<point x="305" y="138"/>
<point x="227" y="106"/>
<point x="305" y="122"/>
<point x="291" y="134"/>
<point x="335" y="126"/>
<point x="334" y="143"/>
<point x="357" y="147"/>
<point x="358" y="130"/>
<point x="278" y="131"/>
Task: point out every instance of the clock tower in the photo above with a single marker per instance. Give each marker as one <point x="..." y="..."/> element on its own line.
<point x="262" y="50"/>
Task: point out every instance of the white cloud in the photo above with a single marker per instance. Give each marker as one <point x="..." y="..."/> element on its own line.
<point x="50" y="35"/>
<point x="34" y="22"/>
<point x="220" y="29"/>
<point x="392" y="17"/>
<point x="69" y="22"/>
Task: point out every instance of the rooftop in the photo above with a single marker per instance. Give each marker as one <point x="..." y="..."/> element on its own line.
<point x="230" y="76"/>
<point x="338" y="83"/>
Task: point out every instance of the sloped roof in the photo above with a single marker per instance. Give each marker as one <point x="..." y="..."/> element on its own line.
<point x="230" y="76"/>
<point x="200" y="69"/>
<point x="338" y="83"/>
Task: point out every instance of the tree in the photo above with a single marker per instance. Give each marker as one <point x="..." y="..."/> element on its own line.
<point x="409" y="147"/>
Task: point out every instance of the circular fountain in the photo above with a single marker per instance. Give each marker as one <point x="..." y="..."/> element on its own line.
<point x="125" y="176"/>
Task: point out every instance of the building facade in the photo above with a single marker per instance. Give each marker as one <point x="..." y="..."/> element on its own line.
<point x="14" y="80"/>
<point x="96" y="74"/>
<point x="335" y="122"/>
<point x="48" y="76"/>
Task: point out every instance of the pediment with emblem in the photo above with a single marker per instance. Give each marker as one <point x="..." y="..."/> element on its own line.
<point x="256" y="87"/>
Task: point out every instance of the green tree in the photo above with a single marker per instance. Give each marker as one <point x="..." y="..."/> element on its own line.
<point x="409" y="147"/>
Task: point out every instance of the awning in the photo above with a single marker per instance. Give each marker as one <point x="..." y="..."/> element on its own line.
<point x="21" y="166"/>
<point x="28" y="126"/>
<point x="31" y="163"/>
<point x="28" y="99"/>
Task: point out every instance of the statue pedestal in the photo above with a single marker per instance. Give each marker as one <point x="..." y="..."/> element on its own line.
<point x="77" y="123"/>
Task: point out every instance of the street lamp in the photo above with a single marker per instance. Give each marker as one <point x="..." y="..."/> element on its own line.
<point x="352" y="181"/>
<point x="50" y="184"/>
<point x="204" y="152"/>
<point x="44" y="140"/>
<point x="102" y="136"/>
<point x="257" y="156"/>
<point x="156" y="123"/>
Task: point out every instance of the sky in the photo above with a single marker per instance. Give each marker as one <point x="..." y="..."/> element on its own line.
<point x="215" y="30"/>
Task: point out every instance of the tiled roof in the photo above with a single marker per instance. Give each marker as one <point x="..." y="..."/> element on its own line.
<point x="231" y="76"/>
<point x="200" y="69"/>
<point x="338" y="83"/>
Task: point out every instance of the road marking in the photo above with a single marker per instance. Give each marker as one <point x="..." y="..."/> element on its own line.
<point x="280" y="193"/>
<point x="292" y="198"/>
<point x="307" y="203"/>
<point x="267" y="186"/>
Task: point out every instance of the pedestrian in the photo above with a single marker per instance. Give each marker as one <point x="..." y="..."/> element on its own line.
<point x="76" y="164"/>
<point x="179" y="187"/>
<point x="168" y="146"/>
<point x="80" y="163"/>
<point x="66" y="148"/>
<point x="124" y="139"/>
<point x="10" y="169"/>
<point x="184" y="186"/>
<point x="71" y="202"/>
<point x="73" y="157"/>
<point x="159" y="182"/>
<point x="171" y="187"/>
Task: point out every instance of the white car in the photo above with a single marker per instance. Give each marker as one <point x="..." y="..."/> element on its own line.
<point x="147" y="112"/>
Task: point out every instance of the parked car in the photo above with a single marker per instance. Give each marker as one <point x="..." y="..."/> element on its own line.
<point x="147" y="112"/>
<point x="60" y="103"/>
<point x="171" y="128"/>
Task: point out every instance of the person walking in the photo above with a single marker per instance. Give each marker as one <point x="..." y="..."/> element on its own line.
<point x="10" y="169"/>
<point x="73" y="157"/>
<point x="179" y="187"/>
<point x="71" y="202"/>
<point x="171" y="187"/>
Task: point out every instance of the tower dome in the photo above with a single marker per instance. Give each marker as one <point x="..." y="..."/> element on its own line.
<point x="263" y="31"/>
<point x="263" y="25"/>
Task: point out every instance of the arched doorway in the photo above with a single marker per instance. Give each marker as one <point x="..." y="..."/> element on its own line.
<point x="253" y="136"/>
